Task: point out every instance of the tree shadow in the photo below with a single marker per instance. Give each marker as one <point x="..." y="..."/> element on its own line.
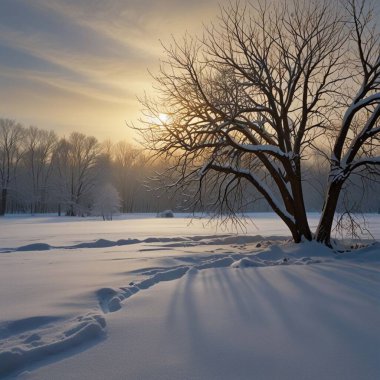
<point x="284" y="317"/>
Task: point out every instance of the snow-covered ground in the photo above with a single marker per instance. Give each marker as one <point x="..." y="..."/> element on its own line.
<point x="149" y="298"/>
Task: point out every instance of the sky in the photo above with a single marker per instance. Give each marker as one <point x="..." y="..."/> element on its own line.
<point x="79" y="65"/>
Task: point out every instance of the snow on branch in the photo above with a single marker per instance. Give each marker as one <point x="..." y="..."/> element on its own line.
<point x="363" y="162"/>
<point x="270" y="149"/>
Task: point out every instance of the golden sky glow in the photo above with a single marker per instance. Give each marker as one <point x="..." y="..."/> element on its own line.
<point x="80" y="64"/>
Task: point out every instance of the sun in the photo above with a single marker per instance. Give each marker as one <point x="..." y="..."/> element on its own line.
<point x="159" y="119"/>
<point x="163" y="117"/>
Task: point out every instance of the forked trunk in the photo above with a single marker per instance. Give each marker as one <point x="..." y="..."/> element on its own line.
<point x="299" y="227"/>
<point x="300" y="232"/>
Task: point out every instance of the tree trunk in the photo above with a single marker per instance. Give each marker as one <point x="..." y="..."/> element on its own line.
<point x="299" y="231"/>
<point x="301" y="227"/>
<point x="297" y="238"/>
<point x="3" y="204"/>
<point x="300" y="212"/>
<point x="323" y="233"/>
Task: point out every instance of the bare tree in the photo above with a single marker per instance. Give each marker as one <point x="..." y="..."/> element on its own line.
<point x="258" y="94"/>
<point x="38" y="149"/>
<point x="356" y="148"/>
<point x="128" y="165"/>
<point x="11" y="134"/>
<point x="75" y="160"/>
<point x="246" y="102"/>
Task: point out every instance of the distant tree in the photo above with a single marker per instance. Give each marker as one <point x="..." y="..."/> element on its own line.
<point x="38" y="146"/>
<point x="129" y="165"/>
<point x="253" y="98"/>
<point x="11" y="135"/>
<point x="75" y="161"/>
<point x="105" y="166"/>
<point x="106" y="202"/>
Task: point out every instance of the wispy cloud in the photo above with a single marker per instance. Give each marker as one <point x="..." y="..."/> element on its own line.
<point x="137" y="24"/>
<point x="89" y="55"/>
<point x="104" y="66"/>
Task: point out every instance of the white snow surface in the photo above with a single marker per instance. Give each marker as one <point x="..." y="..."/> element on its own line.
<point x="147" y="298"/>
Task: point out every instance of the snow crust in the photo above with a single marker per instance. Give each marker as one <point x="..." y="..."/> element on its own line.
<point x="148" y="298"/>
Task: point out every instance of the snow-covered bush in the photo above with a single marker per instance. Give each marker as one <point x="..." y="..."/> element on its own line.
<point x="165" y="214"/>
<point x="106" y="202"/>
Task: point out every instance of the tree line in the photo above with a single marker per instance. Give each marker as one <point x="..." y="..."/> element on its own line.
<point x="78" y="175"/>
<point x="41" y="172"/>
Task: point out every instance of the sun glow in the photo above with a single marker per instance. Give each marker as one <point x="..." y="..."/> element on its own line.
<point x="163" y="117"/>
<point x="160" y="119"/>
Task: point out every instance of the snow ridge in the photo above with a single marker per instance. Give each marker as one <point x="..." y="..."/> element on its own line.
<point x="17" y="351"/>
<point x="169" y="242"/>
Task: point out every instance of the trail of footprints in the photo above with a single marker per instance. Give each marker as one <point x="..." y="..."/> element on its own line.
<point x="110" y="299"/>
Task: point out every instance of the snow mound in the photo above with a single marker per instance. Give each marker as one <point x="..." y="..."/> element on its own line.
<point x="33" y="339"/>
<point x="127" y="241"/>
<point x="100" y="243"/>
<point x="246" y="263"/>
<point x="165" y="214"/>
<point x="163" y="239"/>
<point x="34" y="247"/>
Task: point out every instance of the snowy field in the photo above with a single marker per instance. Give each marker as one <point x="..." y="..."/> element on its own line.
<point x="148" y="298"/>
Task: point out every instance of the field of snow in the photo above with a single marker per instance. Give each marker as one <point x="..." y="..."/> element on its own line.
<point x="151" y="298"/>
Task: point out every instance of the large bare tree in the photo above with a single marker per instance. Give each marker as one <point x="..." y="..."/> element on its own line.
<point x="252" y="98"/>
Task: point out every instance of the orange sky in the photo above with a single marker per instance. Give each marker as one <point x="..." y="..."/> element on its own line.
<point x="79" y="64"/>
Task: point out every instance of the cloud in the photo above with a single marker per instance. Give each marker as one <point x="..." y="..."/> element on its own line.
<point x="86" y="59"/>
<point x="85" y="82"/>
<point x="137" y="24"/>
<point x="37" y="102"/>
<point x="100" y="64"/>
